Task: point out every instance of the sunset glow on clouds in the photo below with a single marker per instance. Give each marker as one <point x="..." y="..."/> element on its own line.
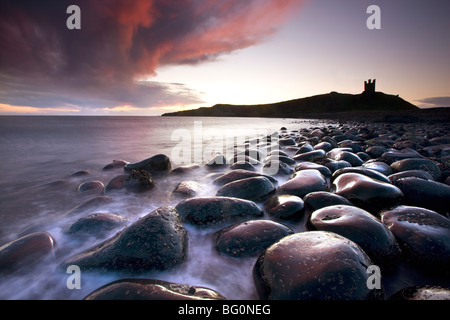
<point x="147" y="57"/>
<point x="121" y="43"/>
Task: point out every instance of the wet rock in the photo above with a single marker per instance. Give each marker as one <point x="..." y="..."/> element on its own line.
<point x="155" y="165"/>
<point x="362" y="228"/>
<point x="285" y="159"/>
<point x="334" y="165"/>
<point x="310" y="156"/>
<point x="394" y="155"/>
<point x="367" y="193"/>
<point x="325" y="146"/>
<point x="425" y="193"/>
<point x="376" y="151"/>
<point x="243" y="165"/>
<point x="307" y="147"/>
<point x="186" y="189"/>
<point x="239" y="174"/>
<point x="249" y="238"/>
<point x="25" y="252"/>
<point x="423" y="235"/>
<point x="115" y="164"/>
<point x="188" y="169"/>
<point x="310" y="266"/>
<point x="254" y="189"/>
<point x="417" y="164"/>
<point x="277" y="168"/>
<point x="150" y="289"/>
<point x="361" y="170"/>
<point x="409" y="173"/>
<point x="156" y="241"/>
<point x="311" y="165"/>
<point x="350" y="157"/>
<point x="440" y="140"/>
<point x="80" y="173"/>
<point x="207" y="211"/>
<point x="379" y="166"/>
<point x="91" y="206"/>
<point x="136" y="182"/>
<point x="284" y="207"/>
<point x="422" y="293"/>
<point x="91" y="186"/>
<point x="304" y="182"/>
<point x="321" y="199"/>
<point x="286" y="142"/>
<point x="97" y="224"/>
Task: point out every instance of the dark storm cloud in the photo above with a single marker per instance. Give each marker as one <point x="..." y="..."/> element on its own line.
<point x="44" y="64"/>
<point x="435" y="102"/>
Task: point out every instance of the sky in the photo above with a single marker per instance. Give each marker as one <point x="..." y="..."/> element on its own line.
<point x="148" y="57"/>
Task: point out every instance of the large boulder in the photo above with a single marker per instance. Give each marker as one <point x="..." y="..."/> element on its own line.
<point x="425" y="193"/>
<point x="96" y="224"/>
<point x="155" y="165"/>
<point x="304" y="182"/>
<point x="367" y="193"/>
<point x="254" y="189"/>
<point x="25" y="252"/>
<point x="417" y="164"/>
<point x="150" y="289"/>
<point x="423" y="235"/>
<point x="137" y="181"/>
<point x="249" y="238"/>
<point x="362" y="228"/>
<point x="156" y="241"/>
<point x="315" y="265"/>
<point x="205" y="211"/>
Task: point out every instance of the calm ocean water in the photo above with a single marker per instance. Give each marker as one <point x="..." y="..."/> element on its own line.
<point x="39" y="155"/>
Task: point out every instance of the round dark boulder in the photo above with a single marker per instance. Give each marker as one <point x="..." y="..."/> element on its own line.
<point x="379" y="166"/>
<point x="115" y="164"/>
<point x="91" y="186"/>
<point x="417" y="164"/>
<point x="96" y="204"/>
<point x="25" y="252"/>
<point x="423" y="235"/>
<point x="335" y="165"/>
<point x="136" y="182"/>
<point x="362" y="228"/>
<point x="155" y="165"/>
<point x="212" y="210"/>
<point x="310" y="156"/>
<point x="239" y="174"/>
<point x="350" y="157"/>
<point x="243" y="165"/>
<point x="313" y="265"/>
<point x="367" y="193"/>
<point x="311" y="165"/>
<point x="320" y="199"/>
<point x="393" y="155"/>
<point x="361" y="170"/>
<point x="425" y="193"/>
<point x="150" y="289"/>
<point x="186" y="189"/>
<point x="157" y="241"/>
<point x="409" y="173"/>
<point x="276" y="168"/>
<point x="376" y="151"/>
<point x="249" y="238"/>
<point x="254" y="189"/>
<point x="284" y="207"/>
<point x="304" y="182"/>
<point x="96" y="224"/>
<point x="422" y="293"/>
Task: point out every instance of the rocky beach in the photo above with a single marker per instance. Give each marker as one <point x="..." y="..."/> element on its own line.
<point x="345" y="196"/>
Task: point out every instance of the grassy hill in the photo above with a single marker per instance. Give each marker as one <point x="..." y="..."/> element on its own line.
<point x="316" y="106"/>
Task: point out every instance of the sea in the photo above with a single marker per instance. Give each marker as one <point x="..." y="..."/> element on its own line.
<point x="43" y="160"/>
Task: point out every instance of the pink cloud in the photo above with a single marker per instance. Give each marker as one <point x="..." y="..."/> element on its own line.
<point x="121" y="41"/>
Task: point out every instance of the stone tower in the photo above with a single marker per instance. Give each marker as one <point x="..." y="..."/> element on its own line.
<point x="369" y="86"/>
